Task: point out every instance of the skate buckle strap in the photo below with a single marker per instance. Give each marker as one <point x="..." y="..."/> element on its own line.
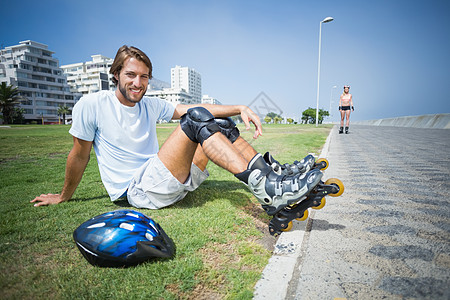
<point x="256" y="179"/>
<point x="288" y="169"/>
<point x="279" y="186"/>
<point x="275" y="167"/>
<point x="294" y="185"/>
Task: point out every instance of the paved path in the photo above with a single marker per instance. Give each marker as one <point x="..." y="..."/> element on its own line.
<point x="388" y="236"/>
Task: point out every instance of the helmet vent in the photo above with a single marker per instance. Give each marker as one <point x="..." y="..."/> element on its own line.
<point x="133" y="215"/>
<point x="97" y="225"/>
<point x="127" y="226"/>
<point x="148" y="236"/>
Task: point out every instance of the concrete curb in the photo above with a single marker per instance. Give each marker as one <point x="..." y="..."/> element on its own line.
<point x="278" y="273"/>
<point x="437" y="121"/>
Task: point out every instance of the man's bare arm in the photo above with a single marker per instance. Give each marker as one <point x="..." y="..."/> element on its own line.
<point x="221" y="111"/>
<point x="77" y="161"/>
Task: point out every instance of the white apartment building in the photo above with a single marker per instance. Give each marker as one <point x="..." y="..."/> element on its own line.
<point x="189" y="80"/>
<point x="91" y="76"/>
<point x="31" y="67"/>
<point x="210" y="100"/>
<point x="172" y="95"/>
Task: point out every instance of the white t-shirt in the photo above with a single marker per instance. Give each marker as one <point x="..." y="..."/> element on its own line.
<point x="124" y="137"/>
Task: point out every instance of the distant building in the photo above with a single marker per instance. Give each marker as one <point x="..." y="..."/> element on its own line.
<point x="172" y="95"/>
<point x="185" y="87"/>
<point x="187" y="79"/>
<point x="210" y="100"/>
<point x="91" y="76"/>
<point x="31" y="67"/>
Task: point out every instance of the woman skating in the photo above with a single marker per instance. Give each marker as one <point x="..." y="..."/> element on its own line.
<point x="345" y="103"/>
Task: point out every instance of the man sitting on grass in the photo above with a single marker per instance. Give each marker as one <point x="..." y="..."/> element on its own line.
<point x="121" y="125"/>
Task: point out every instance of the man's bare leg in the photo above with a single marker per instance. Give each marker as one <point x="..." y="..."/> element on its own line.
<point x="200" y="159"/>
<point x="178" y="153"/>
<point x="224" y="154"/>
<point x="242" y="146"/>
<point x="245" y="149"/>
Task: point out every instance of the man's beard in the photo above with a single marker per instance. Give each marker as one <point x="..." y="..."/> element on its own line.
<point x="123" y="90"/>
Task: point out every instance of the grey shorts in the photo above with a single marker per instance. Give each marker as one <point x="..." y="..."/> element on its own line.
<point x="154" y="187"/>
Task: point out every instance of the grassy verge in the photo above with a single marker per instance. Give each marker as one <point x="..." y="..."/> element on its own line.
<point x="217" y="229"/>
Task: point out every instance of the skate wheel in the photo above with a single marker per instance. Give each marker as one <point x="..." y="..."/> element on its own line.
<point x="323" y="162"/>
<point x="336" y="182"/>
<point x="305" y="216"/>
<point x="289" y="227"/>
<point x="321" y="205"/>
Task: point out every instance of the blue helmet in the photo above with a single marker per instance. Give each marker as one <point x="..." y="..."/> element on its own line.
<point x="122" y="238"/>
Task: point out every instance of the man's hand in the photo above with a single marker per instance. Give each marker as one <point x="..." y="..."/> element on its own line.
<point x="48" y="199"/>
<point x="247" y="116"/>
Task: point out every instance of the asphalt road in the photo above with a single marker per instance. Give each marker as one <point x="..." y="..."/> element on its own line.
<point x="388" y="235"/>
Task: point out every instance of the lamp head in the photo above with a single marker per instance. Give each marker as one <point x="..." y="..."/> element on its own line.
<point x="327" y="19"/>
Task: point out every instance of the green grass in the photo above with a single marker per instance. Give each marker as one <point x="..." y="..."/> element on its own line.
<point x="217" y="229"/>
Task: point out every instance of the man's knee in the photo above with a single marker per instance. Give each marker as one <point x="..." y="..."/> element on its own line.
<point x="228" y="128"/>
<point x="199" y="124"/>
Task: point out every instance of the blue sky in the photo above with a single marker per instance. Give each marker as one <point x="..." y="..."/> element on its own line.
<point x="393" y="54"/>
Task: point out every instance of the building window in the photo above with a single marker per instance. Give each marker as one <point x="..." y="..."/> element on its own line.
<point x="25" y="94"/>
<point x="35" y="51"/>
<point x="25" y="66"/>
<point x="30" y="58"/>
<point x="26" y="102"/>
<point x="105" y="85"/>
<point x="22" y="75"/>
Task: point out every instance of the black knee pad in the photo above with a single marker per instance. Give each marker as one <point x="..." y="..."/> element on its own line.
<point x="199" y="124"/>
<point x="228" y="128"/>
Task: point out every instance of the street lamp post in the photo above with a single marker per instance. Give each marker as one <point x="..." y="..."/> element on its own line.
<point x="326" y="20"/>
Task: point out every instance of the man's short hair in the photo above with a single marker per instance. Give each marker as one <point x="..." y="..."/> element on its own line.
<point x="123" y="54"/>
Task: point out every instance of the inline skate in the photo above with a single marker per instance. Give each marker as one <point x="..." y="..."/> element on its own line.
<point x="282" y="221"/>
<point x="297" y="167"/>
<point x="276" y="191"/>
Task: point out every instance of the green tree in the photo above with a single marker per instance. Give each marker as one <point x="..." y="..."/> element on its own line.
<point x="277" y="119"/>
<point x="322" y="114"/>
<point x="17" y="115"/>
<point x="309" y="115"/>
<point x="9" y="98"/>
<point x="290" y="120"/>
<point x="62" y="111"/>
<point x="272" y="115"/>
